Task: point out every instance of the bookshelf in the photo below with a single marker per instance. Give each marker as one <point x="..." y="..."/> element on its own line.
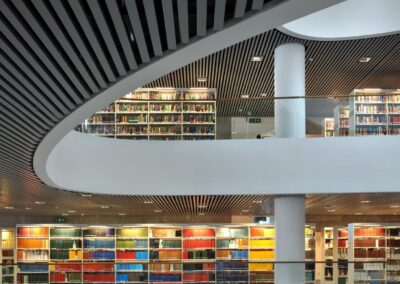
<point x="309" y="234"/>
<point x="158" y="114"/>
<point x="65" y="255"/>
<point x="341" y="120"/>
<point x="242" y="253"/>
<point x="329" y="242"/>
<point x="342" y="254"/>
<point x="375" y="112"/>
<point x="329" y="127"/>
<point x="7" y="245"/>
<point x="374" y="253"/>
<point x="33" y="253"/>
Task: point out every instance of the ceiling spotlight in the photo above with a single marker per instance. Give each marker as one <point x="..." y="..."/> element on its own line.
<point x="202" y="214"/>
<point x="257" y="58"/>
<point x="240" y="110"/>
<point x="331" y="210"/>
<point x="365" y="201"/>
<point x="40" y="202"/>
<point x="394" y="206"/>
<point x="365" y="59"/>
<point x="245" y="210"/>
<point x="104" y="206"/>
<point x="202" y="206"/>
<point x="71" y="211"/>
<point x="202" y="79"/>
<point x="257" y="201"/>
<point x="65" y="214"/>
<point x="263" y="95"/>
<point x="148" y="202"/>
<point x="28" y="208"/>
<point x="86" y="195"/>
<point x="244" y="96"/>
<point x="311" y="59"/>
<point x="358" y="213"/>
<point x="121" y="214"/>
<point x="9" y="207"/>
<point x="157" y="211"/>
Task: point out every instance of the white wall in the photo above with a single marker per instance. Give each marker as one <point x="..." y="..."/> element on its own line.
<point x="82" y="162"/>
<point x="242" y="129"/>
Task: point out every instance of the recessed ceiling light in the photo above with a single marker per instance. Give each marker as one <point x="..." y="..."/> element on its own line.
<point x="257" y="201"/>
<point x="121" y="214"/>
<point x="148" y="202"/>
<point x="358" y="213"/>
<point x="240" y="110"/>
<point x="394" y="206"/>
<point x="40" y="202"/>
<point x="157" y="211"/>
<point x="202" y="79"/>
<point x="331" y="210"/>
<point x="311" y="59"/>
<point x="365" y="59"/>
<point x="86" y="195"/>
<point x="365" y="201"/>
<point x="104" y="206"/>
<point x="257" y="58"/>
<point x="28" y="208"/>
<point x="65" y="214"/>
<point x="263" y="95"/>
<point x="82" y="214"/>
<point x="202" y="213"/>
<point x="9" y="207"/>
<point x="245" y="210"/>
<point x="71" y="211"/>
<point x="244" y="96"/>
<point x="202" y="206"/>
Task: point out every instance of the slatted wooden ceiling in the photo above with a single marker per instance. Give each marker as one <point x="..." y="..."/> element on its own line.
<point x="332" y="68"/>
<point x="55" y="55"/>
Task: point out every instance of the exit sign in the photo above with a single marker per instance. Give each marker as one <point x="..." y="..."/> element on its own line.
<point x="254" y="120"/>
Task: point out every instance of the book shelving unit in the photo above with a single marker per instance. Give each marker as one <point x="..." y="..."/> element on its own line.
<point x="375" y="112"/>
<point x="329" y="254"/>
<point x="374" y="253"/>
<point x="342" y="120"/>
<point x="329" y="127"/>
<point x="158" y="114"/>
<point x="7" y="246"/>
<point x="242" y="253"/>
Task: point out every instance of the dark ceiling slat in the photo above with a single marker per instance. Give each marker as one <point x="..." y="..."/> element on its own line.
<point x="29" y="65"/>
<point x="257" y="4"/>
<point x="93" y="40"/>
<point x="153" y="27"/>
<point x="201" y="17"/>
<point x="122" y="33"/>
<point x="106" y="34"/>
<point x="169" y="23"/>
<point x="69" y="50"/>
<point x="13" y="96"/>
<point x="240" y="8"/>
<point x="26" y="84"/>
<point x="53" y="50"/>
<point x="219" y="14"/>
<point x="183" y="15"/>
<point x="137" y="30"/>
<point x="77" y="39"/>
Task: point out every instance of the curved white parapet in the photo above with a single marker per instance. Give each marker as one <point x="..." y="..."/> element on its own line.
<point x="53" y="165"/>
<point x="351" y="19"/>
<point x="83" y="162"/>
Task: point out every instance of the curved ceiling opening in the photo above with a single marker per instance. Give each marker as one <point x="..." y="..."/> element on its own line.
<point x="350" y="19"/>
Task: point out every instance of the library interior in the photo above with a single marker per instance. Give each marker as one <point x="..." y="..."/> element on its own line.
<point x="200" y="141"/>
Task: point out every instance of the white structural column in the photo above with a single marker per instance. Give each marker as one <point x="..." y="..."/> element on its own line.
<point x="290" y="123"/>
<point x="289" y="240"/>
<point x="290" y="82"/>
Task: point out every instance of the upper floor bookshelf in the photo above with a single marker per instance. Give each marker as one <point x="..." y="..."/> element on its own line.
<point x="375" y="112"/>
<point x="157" y="114"/>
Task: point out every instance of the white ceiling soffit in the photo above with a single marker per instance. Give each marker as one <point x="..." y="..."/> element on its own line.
<point x="265" y="20"/>
<point x="351" y="19"/>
